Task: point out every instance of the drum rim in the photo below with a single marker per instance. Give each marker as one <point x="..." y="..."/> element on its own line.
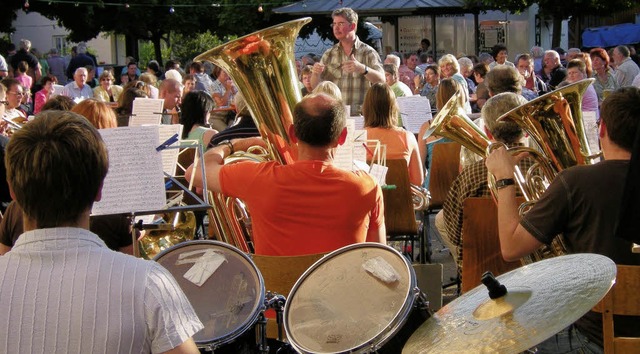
<point x="259" y="309"/>
<point x="381" y="337"/>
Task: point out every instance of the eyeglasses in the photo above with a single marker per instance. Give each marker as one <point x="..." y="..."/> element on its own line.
<point x="106" y="79"/>
<point x="6" y="103"/>
<point x="17" y="93"/>
<point x="339" y="24"/>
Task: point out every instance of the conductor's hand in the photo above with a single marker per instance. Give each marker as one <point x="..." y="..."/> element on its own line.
<point x="318" y="68"/>
<point x="353" y="66"/>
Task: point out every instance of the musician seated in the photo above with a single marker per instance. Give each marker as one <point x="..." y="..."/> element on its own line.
<point x="64" y="289"/>
<point x="582" y="203"/>
<point x="309" y="206"/>
<point x="380" y="111"/>
<point x="472" y="181"/>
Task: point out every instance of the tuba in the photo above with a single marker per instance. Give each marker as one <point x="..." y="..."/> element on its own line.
<point x="262" y="65"/>
<point x="554" y="121"/>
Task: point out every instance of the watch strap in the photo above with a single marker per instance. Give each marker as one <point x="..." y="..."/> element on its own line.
<point x="505" y="182"/>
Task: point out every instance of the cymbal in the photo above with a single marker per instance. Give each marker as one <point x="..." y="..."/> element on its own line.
<point x="542" y="299"/>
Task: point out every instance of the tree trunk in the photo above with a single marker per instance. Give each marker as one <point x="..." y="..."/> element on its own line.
<point x="557" y="31"/>
<point x="156" y="47"/>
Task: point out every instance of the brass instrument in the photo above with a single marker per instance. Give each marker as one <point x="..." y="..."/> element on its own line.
<point x="262" y="65"/>
<point x="554" y="121"/>
<point x="176" y="228"/>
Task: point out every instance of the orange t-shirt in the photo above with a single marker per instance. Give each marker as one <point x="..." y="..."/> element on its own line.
<point x="306" y="207"/>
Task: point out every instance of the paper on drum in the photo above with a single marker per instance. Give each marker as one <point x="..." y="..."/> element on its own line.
<point x="381" y="269"/>
<point x="204" y="265"/>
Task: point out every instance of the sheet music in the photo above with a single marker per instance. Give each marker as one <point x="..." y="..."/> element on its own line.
<point x="379" y="173"/>
<point x="415" y="110"/>
<point x="169" y="156"/>
<point x="343" y="157"/>
<point x="146" y="111"/>
<point x="359" y="122"/>
<point x="591" y="130"/>
<point x="135" y="181"/>
<point x="360" y="150"/>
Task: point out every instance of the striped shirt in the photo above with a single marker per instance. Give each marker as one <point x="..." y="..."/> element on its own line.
<point x="64" y="291"/>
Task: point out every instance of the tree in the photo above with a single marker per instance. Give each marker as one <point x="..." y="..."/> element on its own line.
<point x="558" y="10"/>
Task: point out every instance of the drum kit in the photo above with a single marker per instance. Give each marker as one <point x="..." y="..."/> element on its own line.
<point x="363" y="298"/>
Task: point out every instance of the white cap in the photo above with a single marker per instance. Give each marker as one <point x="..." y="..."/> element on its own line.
<point x="173" y="74"/>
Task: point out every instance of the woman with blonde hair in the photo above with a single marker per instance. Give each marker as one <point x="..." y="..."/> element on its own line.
<point x="107" y="91"/>
<point x="98" y="113"/>
<point x="380" y="111"/>
<point x="329" y="88"/>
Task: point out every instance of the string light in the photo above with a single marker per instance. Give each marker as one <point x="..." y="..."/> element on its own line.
<point x="26" y="4"/>
<point x="175" y="6"/>
<point x="172" y="10"/>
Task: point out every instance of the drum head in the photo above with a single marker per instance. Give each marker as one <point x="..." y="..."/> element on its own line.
<point x="351" y="300"/>
<point x="223" y="285"/>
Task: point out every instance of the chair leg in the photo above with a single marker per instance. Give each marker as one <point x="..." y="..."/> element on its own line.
<point x="425" y="240"/>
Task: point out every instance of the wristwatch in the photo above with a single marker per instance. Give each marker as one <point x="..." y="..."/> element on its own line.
<point x="229" y="144"/>
<point x="505" y="182"/>
<point x="366" y="70"/>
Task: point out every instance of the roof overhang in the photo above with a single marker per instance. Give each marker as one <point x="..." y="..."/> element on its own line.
<point x="377" y="7"/>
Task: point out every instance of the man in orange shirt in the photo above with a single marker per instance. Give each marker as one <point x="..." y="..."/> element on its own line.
<point x="309" y="206"/>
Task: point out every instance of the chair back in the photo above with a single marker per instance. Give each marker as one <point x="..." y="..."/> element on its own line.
<point x="445" y="167"/>
<point x="622" y="299"/>
<point x="399" y="215"/>
<point x="481" y="244"/>
<point x="280" y="274"/>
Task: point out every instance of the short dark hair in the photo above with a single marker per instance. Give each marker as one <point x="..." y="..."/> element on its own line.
<point x="55" y="166"/>
<point x="620" y="113"/>
<point x="503" y="78"/>
<point x="196" y="66"/>
<point x="59" y="103"/>
<point x="481" y="69"/>
<point x="497" y="49"/>
<point x="194" y="109"/>
<point x="319" y="124"/>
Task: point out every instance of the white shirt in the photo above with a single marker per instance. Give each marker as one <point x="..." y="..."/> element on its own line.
<point x="64" y="291"/>
<point x="78" y="94"/>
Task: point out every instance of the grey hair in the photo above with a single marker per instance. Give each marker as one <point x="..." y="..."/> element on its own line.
<point x="505" y="131"/>
<point x="465" y="62"/>
<point x="25" y="44"/>
<point x="394" y="59"/>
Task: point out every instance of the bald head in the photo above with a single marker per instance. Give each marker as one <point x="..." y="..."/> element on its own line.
<point x="319" y="119"/>
<point x="171" y="91"/>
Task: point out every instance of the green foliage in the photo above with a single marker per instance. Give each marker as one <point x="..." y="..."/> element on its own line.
<point x="187" y="47"/>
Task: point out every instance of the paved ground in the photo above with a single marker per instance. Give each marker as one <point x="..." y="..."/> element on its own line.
<point x="440" y="254"/>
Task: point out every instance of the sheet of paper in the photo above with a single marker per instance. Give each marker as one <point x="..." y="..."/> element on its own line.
<point x="57" y="90"/>
<point x="343" y="157"/>
<point x="360" y="150"/>
<point x="359" y="122"/>
<point x="379" y="173"/>
<point x="135" y="181"/>
<point x="169" y="156"/>
<point x="415" y="110"/>
<point x="146" y="111"/>
<point x="591" y="130"/>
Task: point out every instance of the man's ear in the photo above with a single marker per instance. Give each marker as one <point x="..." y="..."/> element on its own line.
<point x="292" y="134"/>
<point x="602" y="130"/>
<point x="343" y="136"/>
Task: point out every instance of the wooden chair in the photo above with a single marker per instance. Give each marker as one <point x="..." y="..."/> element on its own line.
<point x="280" y="274"/>
<point x="445" y="167"/>
<point x="480" y="242"/>
<point x="622" y="299"/>
<point x="399" y="215"/>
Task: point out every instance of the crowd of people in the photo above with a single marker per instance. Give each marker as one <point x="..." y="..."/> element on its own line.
<point x="308" y="206"/>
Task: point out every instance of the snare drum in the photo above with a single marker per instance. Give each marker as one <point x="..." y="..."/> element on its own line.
<point x="223" y="285"/>
<point x="352" y="300"/>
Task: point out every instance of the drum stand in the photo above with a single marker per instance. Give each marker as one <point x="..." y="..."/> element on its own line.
<point x="276" y="302"/>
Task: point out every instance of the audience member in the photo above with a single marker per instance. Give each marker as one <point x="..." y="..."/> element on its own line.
<point x="78" y="89"/>
<point x="576" y="72"/>
<point x="80" y="60"/>
<point x="107" y="91"/>
<point x="58" y="103"/>
<point x="391" y="78"/>
<point x="203" y="81"/>
<point x="533" y="86"/>
<point x="305" y="75"/>
<point x="171" y="92"/>
<point x="125" y="105"/>
<point x="242" y="127"/>
<point x="43" y="95"/>
<point x="480" y="71"/>
<point x="605" y="79"/>
<point x="431" y="83"/>
<point x="23" y="55"/>
<point x="194" y="114"/>
<point x="500" y="55"/>
<point x="553" y="71"/>
<point x="626" y="69"/>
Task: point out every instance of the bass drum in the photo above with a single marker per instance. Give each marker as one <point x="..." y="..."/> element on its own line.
<point x="224" y="287"/>
<point x="354" y="300"/>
